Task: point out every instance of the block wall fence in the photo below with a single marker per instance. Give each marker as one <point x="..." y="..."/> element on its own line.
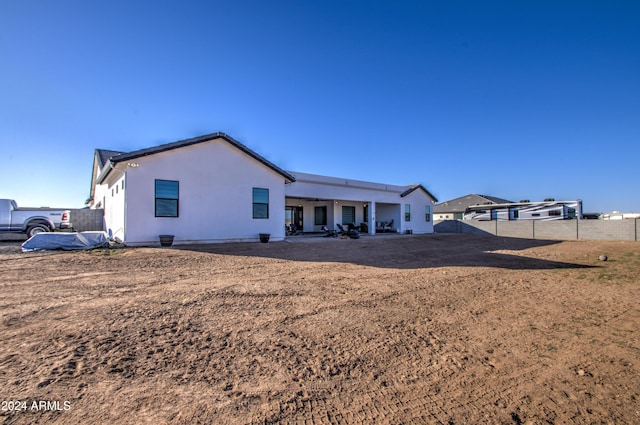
<point x="616" y="230"/>
<point x="86" y="219"/>
<point x="613" y="230"/>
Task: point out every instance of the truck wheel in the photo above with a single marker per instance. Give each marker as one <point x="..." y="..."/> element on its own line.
<point x="37" y="228"/>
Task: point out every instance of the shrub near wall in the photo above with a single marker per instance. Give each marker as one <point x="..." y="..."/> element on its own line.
<point x="627" y="230"/>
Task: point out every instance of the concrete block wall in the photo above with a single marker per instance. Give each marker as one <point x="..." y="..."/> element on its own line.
<point x="447" y="226"/>
<point x="515" y="229"/>
<point x="626" y="230"/>
<point x="86" y="219"/>
<point x="556" y="230"/>
<point x="484" y="227"/>
<point x="458" y="226"/>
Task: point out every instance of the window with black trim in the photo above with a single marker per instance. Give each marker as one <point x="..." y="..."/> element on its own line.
<point x="260" y="203"/>
<point x="348" y="215"/>
<point x="166" y="198"/>
<point x="427" y="213"/>
<point x="320" y="215"/>
<point x="407" y="212"/>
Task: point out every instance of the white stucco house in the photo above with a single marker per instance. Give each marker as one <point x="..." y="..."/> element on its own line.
<point x="212" y="188"/>
<point x="313" y="201"/>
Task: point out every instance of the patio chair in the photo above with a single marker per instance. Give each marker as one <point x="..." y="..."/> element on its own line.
<point x="388" y="227"/>
<point x="293" y="230"/>
<point x="352" y="233"/>
<point x="329" y="233"/>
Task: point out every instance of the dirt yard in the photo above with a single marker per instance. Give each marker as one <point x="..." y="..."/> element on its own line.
<point x="437" y="329"/>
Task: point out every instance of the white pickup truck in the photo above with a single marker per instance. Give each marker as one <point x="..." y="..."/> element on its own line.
<point x="32" y="220"/>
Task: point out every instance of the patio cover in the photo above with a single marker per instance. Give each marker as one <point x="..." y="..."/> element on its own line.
<point x="66" y="241"/>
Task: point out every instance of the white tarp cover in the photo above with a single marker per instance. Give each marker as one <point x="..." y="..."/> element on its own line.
<point x="66" y="241"/>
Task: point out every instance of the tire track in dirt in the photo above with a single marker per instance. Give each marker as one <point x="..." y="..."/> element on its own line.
<point x="210" y="337"/>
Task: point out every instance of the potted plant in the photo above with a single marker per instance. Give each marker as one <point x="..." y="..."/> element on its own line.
<point x="166" y="240"/>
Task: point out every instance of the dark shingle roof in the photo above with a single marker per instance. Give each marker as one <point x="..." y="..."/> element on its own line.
<point x="127" y="156"/>
<point x="104" y="155"/>
<point x="418" y="186"/>
<point x="460" y="204"/>
<point x="495" y="200"/>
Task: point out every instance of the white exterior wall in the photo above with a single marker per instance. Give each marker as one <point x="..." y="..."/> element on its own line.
<point x="385" y="202"/>
<point x="418" y="224"/>
<point x="323" y="187"/>
<point x="115" y="197"/>
<point x="111" y="197"/>
<point x="215" y="196"/>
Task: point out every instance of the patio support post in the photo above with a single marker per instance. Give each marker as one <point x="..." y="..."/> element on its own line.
<point x="337" y="214"/>
<point x="372" y="218"/>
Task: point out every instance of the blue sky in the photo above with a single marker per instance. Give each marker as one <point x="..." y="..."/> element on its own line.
<point x="515" y="99"/>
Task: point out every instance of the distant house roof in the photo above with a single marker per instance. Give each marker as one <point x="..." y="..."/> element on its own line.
<point x="127" y="156"/>
<point x="460" y="204"/>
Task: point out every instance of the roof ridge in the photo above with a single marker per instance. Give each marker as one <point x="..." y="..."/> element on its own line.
<point x="125" y="156"/>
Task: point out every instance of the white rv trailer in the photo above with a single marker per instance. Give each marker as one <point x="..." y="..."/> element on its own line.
<point x="525" y="210"/>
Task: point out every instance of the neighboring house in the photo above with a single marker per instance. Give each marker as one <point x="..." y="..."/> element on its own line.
<point x="454" y="209"/>
<point x="214" y="189"/>
<point x="617" y="215"/>
<point x="315" y="201"/>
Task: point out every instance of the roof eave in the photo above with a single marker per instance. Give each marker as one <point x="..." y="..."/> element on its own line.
<point x="189" y="142"/>
<point x="421" y="187"/>
<point x="105" y="172"/>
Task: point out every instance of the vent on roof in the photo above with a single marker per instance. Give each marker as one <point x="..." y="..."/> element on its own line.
<point x="524" y="200"/>
<point x="549" y="200"/>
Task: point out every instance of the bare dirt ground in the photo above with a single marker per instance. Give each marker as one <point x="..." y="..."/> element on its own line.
<point x="442" y="329"/>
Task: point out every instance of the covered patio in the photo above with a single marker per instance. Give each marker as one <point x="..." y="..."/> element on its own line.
<point x="366" y="216"/>
<point x="313" y="203"/>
